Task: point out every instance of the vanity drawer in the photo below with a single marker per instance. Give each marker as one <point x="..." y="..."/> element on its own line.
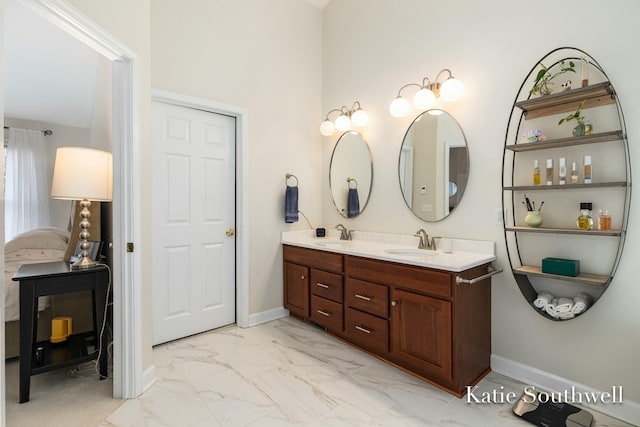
<point x="319" y="259"/>
<point x="369" y="297"/>
<point x="366" y="330"/>
<point x="326" y="285"/>
<point x="326" y="313"/>
<point x="416" y="278"/>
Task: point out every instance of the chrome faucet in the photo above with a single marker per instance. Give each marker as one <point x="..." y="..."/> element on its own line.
<point x="425" y="243"/>
<point x="344" y="233"/>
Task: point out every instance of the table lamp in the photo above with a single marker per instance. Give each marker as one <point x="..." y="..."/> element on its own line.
<point x="83" y="174"/>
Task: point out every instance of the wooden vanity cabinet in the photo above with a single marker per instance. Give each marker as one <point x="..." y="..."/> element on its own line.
<point x="416" y="318"/>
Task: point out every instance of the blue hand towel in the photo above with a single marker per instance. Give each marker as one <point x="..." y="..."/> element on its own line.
<point x="353" y="203"/>
<point x="291" y="204"/>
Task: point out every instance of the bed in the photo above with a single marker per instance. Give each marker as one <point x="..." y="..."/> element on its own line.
<point x="35" y="246"/>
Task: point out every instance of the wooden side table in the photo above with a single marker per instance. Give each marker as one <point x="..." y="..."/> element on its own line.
<point x="54" y="278"/>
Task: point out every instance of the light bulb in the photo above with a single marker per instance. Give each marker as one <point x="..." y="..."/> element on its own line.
<point x="424" y="99"/>
<point x="435" y="112"/>
<point x="343" y="123"/>
<point x="360" y="118"/>
<point x="399" y="107"/>
<point x="327" y="128"/>
<point x="451" y="90"/>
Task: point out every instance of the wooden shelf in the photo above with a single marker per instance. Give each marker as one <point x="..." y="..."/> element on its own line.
<point x="567" y="186"/>
<point x="594" y="96"/>
<point x="524" y="229"/>
<point x="568" y="142"/>
<point x="590" y="279"/>
<point x="73" y="351"/>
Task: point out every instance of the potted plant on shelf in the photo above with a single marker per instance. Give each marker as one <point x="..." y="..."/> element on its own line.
<point x="543" y="84"/>
<point x="577" y="116"/>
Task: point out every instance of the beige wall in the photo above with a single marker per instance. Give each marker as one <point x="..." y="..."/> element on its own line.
<point x="264" y="56"/>
<point x="372" y="47"/>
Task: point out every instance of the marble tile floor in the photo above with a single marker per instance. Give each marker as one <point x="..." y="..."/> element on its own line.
<point x="282" y="373"/>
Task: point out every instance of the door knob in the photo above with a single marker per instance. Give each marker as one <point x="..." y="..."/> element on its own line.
<point x="230" y="232"/>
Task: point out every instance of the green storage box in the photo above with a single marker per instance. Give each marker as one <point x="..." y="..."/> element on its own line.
<point x="563" y="267"/>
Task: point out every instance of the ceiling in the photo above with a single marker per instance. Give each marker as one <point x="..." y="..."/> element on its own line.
<point x="49" y="76"/>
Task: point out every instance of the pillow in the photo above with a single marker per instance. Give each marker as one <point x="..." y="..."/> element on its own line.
<point x="39" y="238"/>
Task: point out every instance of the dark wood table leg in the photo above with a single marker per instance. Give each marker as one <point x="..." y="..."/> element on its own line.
<point x="28" y="314"/>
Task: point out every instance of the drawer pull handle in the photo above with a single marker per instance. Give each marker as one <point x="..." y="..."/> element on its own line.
<point x="361" y="329"/>
<point x="363" y="297"/>
<point x="322" y="285"/>
<point x="324" y="313"/>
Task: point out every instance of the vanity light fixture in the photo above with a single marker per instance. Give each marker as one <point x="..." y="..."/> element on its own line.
<point x="451" y="90"/>
<point x="355" y="117"/>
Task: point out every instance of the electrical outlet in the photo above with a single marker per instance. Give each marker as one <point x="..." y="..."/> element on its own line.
<point x="500" y="217"/>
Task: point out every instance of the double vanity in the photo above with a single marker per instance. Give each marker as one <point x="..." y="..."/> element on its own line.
<point x="425" y="311"/>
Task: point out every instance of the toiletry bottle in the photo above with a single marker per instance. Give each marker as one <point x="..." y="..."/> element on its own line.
<point x="562" y="171"/>
<point x="536" y="173"/>
<point x="604" y="220"/>
<point x="574" y="173"/>
<point x="549" y="171"/>
<point x="587" y="169"/>
<point x="585" y="221"/>
<point x="588" y="128"/>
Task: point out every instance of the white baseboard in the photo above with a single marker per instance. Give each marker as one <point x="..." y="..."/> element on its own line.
<point x="627" y="411"/>
<point x="267" y="316"/>
<point x="148" y="377"/>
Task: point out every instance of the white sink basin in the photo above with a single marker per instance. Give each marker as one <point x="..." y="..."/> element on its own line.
<point x="412" y="253"/>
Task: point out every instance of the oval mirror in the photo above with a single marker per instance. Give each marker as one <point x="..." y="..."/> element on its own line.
<point x="351" y="174"/>
<point x="433" y="166"/>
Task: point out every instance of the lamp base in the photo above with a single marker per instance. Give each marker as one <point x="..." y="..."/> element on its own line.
<point x="83" y="263"/>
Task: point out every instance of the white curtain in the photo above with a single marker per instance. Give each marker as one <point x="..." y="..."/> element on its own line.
<point x="27" y="182"/>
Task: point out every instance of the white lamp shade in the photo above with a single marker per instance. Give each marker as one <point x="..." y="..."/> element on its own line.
<point x="360" y="118"/>
<point x="451" y="90"/>
<point x="399" y="107"/>
<point x="327" y="128"/>
<point x="343" y="123"/>
<point x="424" y="99"/>
<point x="82" y="173"/>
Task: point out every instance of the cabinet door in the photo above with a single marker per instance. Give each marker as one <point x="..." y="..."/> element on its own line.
<point x="296" y="289"/>
<point x="421" y="333"/>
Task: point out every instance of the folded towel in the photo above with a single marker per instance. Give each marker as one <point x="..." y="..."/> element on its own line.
<point x="580" y="303"/>
<point x="564" y="305"/>
<point x="291" y="204"/>
<point x="353" y="203"/>
<point x="542" y="300"/>
<point x="566" y="315"/>
<point x="551" y="308"/>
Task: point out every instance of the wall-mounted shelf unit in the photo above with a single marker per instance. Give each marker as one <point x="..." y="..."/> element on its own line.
<point x="526" y="246"/>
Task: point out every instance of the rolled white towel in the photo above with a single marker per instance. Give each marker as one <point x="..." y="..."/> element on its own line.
<point x="542" y="300"/>
<point x="564" y="305"/>
<point x="580" y="303"/>
<point x="566" y="315"/>
<point x="551" y="308"/>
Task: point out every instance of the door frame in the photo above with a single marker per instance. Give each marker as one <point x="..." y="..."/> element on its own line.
<point x="242" y="184"/>
<point x="127" y="296"/>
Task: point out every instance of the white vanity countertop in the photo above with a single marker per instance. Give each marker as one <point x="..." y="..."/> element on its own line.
<point x="398" y="248"/>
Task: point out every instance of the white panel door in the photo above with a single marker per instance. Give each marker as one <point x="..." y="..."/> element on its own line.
<point x="193" y="221"/>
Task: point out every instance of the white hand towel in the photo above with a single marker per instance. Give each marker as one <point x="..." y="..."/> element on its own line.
<point x="543" y="299"/>
<point x="551" y="308"/>
<point x="566" y="315"/>
<point x="580" y="303"/>
<point x="564" y="305"/>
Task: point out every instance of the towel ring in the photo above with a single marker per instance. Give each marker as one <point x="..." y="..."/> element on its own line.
<point x="290" y="175"/>
<point x="349" y="180"/>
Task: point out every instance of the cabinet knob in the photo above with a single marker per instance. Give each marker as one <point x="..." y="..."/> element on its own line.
<point x="302" y="277"/>
<point x="394" y="303"/>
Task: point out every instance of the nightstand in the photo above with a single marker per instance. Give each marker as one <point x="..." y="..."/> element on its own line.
<point x="54" y="278"/>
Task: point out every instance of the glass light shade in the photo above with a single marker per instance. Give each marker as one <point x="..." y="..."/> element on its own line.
<point x="343" y="123"/>
<point x="360" y="118"/>
<point x="424" y="99"/>
<point x="451" y="90"/>
<point x="327" y="128"/>
<point x="399" y="107"/>
<point x="82" y="173"/>
<point x="435" y="112"/>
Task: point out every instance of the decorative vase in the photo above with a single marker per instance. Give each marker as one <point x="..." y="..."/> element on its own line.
<point x="546" y="88"/>
<point x="579" y="130"/>
<point x="533" y="219"/>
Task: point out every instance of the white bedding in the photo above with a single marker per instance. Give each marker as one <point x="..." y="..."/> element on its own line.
<point x="35" y="246"/>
